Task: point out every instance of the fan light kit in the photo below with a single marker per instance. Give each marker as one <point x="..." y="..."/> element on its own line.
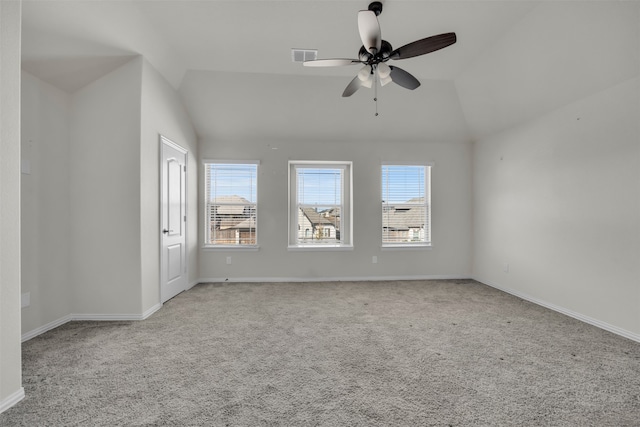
<point x="375" y="53"/>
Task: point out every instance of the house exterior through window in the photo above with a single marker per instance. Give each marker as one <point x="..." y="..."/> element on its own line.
<point x="231" y="215"/>
<point x="319" y="204"/>
<point x="406" y="205"/>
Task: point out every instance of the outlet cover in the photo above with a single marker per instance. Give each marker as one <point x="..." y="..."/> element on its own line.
<point x="25" y="166"/>
<point x="26" y="299"/>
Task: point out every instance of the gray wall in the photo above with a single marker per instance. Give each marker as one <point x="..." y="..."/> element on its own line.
<point x="451" y="213"/>
<point x="163" y="113"/>
<point x="45" y="198"/>
<point x="10" y="363"/>
<point x="556" y="164"/>
<point x="104" y="181"/>
<point x="91" y="202"/>
<point x="558" y="200"/>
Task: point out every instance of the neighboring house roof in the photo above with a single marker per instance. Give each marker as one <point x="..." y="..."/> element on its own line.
<point x="330" y="212"/>
<point x="405" y="217"/>
<point x="230" y="205"/>
<point x="242" y="224"/>
<point x="315" y="218"/>
<point x="231" y="213"/>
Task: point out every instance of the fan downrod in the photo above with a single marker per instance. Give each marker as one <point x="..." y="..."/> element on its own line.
<point x="376" y="7"/>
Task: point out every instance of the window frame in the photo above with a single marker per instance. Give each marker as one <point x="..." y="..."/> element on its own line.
<point x="427" y="243"/>
<point x="346" y="214"/>
<point x="207" y="220"/>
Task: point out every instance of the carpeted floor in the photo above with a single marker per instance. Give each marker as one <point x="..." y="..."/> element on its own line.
<point x="416" y="353"/>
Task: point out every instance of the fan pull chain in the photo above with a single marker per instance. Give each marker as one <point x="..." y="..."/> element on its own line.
<point x="375" y="86"/>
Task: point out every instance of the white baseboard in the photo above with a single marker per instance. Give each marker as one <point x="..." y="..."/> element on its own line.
<point x="94" y="317"/>
<point x="586" y="319"/>
<point x="11" y="400"/>
<point x="192" y="284"/>
<point x="106" y="317"/>
<point x="44" y="328"/>
<point x="152" y="310"/>
<point x="329" y="279"/>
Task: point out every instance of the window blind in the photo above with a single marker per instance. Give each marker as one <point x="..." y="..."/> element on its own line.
<point x="319" y="197"/>
<point x="405" y="204"/>
<point x="231" y="208"/>
<point x="318" y="187"/>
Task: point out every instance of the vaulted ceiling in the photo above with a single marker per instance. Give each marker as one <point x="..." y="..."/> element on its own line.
<point x="231" y="61"/>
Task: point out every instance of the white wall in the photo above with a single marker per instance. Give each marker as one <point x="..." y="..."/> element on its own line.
<point x="11" y="390"/>
<point x="104" y="178"/>
<point x="45" y="202"/>
<point x="558" y="199"/>
<point x="163" y="113"/>
<point x="451" y="213"/>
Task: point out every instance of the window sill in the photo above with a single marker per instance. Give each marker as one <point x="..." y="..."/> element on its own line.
<point x="231" y="248"/>
<point x="408" y="246"/>
<point x="320" y="248"/>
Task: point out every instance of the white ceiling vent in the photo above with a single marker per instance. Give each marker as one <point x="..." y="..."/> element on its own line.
<point x="301" y="55"/>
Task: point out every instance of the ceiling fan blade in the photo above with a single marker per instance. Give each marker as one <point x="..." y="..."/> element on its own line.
<point x="352" y="87"/>
<point x="336" y="62"/>
<point x="423" y="46"/>
<point x="402" y="78"/>
<point x="369" y="28"/>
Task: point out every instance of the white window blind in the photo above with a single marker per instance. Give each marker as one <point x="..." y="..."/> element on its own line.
<point x="319" y="198"/>
<point x="406" y="205"/>
<point x="319" y="204"/>
<point x="231" y="204"/>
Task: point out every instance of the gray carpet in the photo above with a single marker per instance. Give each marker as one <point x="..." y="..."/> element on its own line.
<point x="442" y="353"/>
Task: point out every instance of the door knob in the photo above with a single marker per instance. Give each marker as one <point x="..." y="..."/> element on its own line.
<point x="165" y="231"/>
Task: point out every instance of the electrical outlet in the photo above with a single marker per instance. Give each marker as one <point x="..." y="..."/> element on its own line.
<point x="374" y="259"/>
<point x="26" y="299"/>
<point x="505" y="267"/>
<point x="228" y="260"/>
<point x="25" y="167"/>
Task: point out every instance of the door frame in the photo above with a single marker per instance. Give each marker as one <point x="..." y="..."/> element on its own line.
<point x="163" y="140"/>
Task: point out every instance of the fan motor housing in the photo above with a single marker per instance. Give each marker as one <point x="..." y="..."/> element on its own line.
<point x="385" y="51"/>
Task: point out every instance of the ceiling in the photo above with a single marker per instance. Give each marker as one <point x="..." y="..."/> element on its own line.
<point x="199" y="45"/>
<point x="256" y="36"/>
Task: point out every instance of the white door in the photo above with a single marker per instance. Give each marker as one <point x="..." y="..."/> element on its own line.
<point x="173" y="220"/>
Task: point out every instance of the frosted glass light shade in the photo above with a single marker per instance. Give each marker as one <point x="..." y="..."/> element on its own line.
<point x="365" y="73"/>
<point x="383" y="70"/>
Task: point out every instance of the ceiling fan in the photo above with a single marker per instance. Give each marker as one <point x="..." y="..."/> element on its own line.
<point x="375" y="53"/>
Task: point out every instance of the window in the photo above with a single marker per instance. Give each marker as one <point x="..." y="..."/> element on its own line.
<point x="406" y="205"/>
<point x="319" y="204"/>
<point x="231" y="204"/>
